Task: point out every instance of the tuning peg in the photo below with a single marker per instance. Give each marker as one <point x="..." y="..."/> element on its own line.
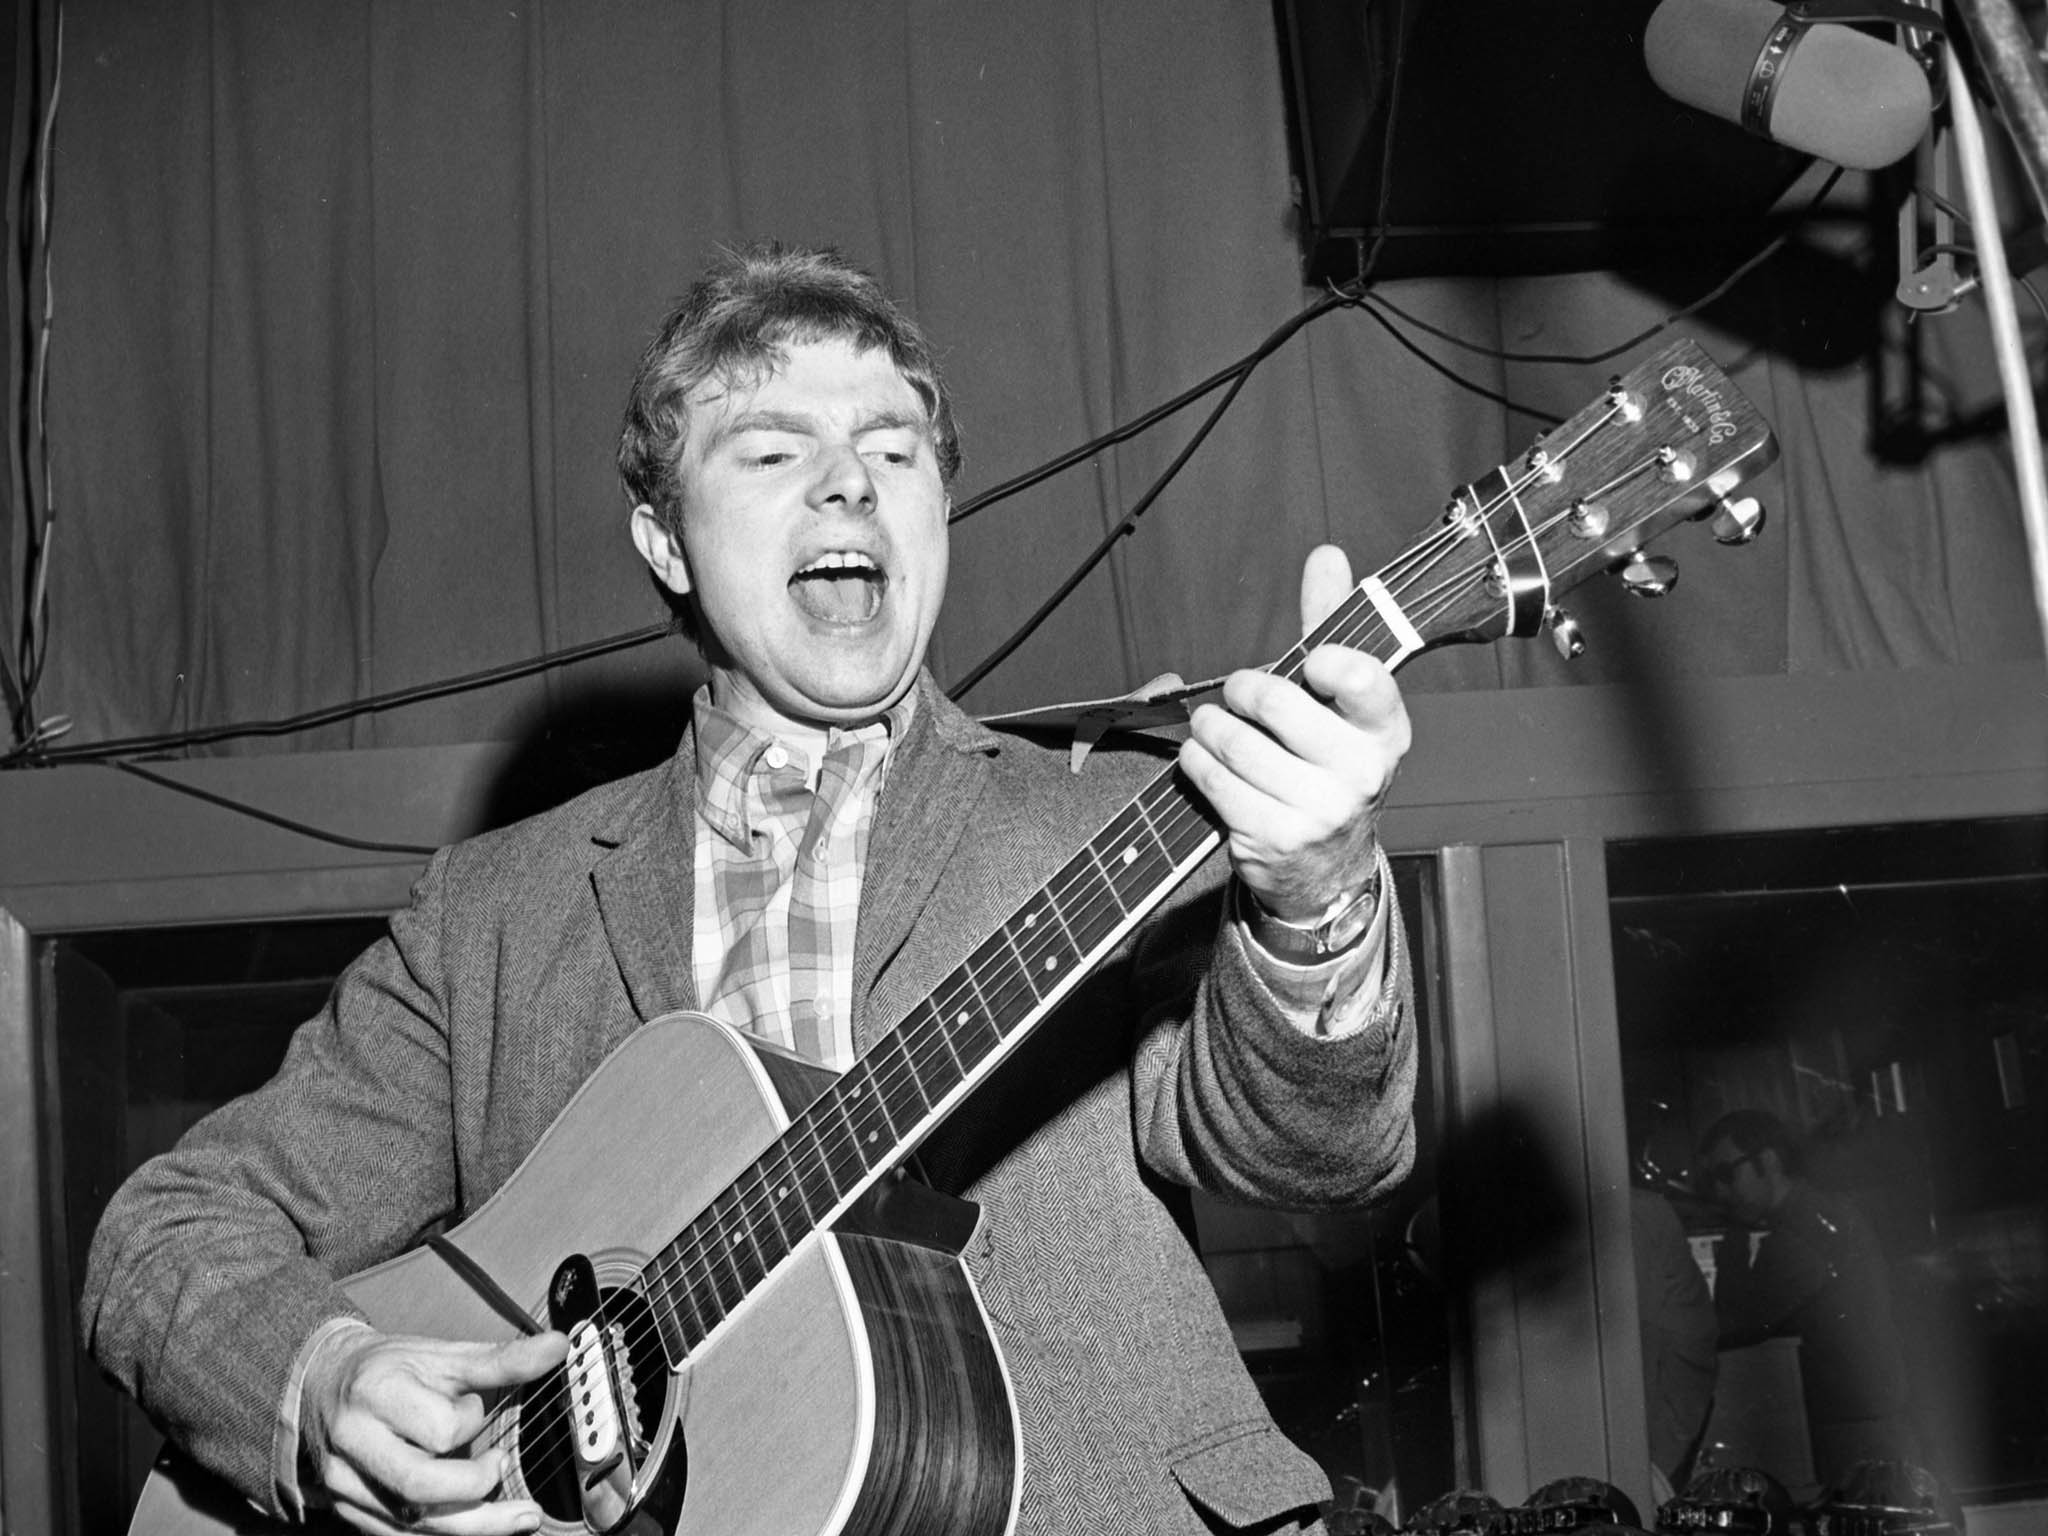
<point x="1737" y="522"/>
<point x="1564" y="633"/>
<point x="1649" y="575"/>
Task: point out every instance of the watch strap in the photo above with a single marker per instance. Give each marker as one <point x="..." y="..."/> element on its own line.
<point x="1340" y="928"/>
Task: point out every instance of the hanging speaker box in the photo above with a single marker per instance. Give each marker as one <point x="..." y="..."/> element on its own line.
<point x="1458" y="137"/>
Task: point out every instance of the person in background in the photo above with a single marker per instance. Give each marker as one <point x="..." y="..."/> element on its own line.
<point x="831" y="839"/>
<point x="1815" y="1273"/>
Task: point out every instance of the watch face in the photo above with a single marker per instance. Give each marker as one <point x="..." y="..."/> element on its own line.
<point x="1348" y="924"/>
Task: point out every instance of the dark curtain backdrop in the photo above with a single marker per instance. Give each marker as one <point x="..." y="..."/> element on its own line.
<point x="346" y="295"/>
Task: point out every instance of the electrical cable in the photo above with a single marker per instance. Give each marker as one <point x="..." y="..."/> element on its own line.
<point x="1109" y="439"/>
<point x="1095" y="556"/>
<point x="33" y="642"/>
<point x="333" y="713"/>
<point x="1239" y="373"/>
<point x="304" y="829"/>
<point x="1350" y="295"/>
<point x="1370" y="306"/>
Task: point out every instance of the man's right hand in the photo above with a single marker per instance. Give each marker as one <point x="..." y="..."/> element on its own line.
<point x="385" y="1419"/>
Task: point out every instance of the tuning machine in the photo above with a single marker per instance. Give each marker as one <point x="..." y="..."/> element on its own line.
<point x="1735" y="522"/>
<point x="1649" y="575"/>
<point x="1565" y="633"/>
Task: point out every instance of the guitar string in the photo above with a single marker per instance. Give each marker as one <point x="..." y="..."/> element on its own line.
<point x="922" y="1044"/>
<point x="1010" y="994"/>
<point x="923" y="1049"/>
<point x="1342" y="630"/>
<point x="912" y="1045"/>
<point x="936" y="1043"/>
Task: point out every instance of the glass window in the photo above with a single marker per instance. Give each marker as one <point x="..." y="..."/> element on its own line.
<point x="1835" y="1048"/>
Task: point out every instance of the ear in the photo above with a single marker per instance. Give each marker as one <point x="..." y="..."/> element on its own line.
<point x="662" y="550"/>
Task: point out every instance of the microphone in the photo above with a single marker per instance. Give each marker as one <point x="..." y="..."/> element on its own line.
<point x="1823" y="89"/>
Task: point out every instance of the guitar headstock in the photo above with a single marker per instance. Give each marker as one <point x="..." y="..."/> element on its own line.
<point x="1667" y="443"/>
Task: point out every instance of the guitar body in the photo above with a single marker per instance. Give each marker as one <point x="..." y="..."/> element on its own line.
<point x="857" y="1391"/>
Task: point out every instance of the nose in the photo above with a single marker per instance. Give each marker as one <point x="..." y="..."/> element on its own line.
<point x="843" y="482"/>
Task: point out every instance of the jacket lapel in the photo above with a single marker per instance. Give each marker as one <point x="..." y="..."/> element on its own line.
<point x="646" y="889"/>
<point x="936" y="777"/>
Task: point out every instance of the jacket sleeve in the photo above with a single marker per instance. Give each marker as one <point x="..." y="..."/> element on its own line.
<point x="1231" y="1095"/>
<point x="216" y="1261"/>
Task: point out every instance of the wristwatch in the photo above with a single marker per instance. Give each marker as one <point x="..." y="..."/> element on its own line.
<point x="1340" y="927"/>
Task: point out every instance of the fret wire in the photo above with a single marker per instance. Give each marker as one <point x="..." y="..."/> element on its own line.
<point x="883" y="1073"/>
<point x="730" y="1270"/>
<point x="698" y="1283"/>
<point x="767" y="1236"/>
<point x="752" y="1263"/>
<point x="858" y="1096"/>
<point x="843" y="1158"/>
<point x="777" y="1176"/>
<point x="1079" y="909"/>
<point x="928" y="1022"/>
<point x="811" y="1168"/>
<point x="668" y="1323"/>
<point x="990" y="968"/>
<point x="689" y="1295"/>
<point x="965" y="1016"/>
<point x="1044" y="949"/>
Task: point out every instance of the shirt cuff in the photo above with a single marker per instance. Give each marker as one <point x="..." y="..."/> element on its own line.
<point x="1333" y="997"/>
<point x="285" y="1443"/>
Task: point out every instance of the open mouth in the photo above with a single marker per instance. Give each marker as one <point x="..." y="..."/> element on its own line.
<point x="840" y="588"/>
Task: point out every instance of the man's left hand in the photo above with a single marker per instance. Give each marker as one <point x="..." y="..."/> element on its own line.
<point x="1298" y="772"/>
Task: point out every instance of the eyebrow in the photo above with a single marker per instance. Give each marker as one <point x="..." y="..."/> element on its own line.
<point x="888" y="420"/>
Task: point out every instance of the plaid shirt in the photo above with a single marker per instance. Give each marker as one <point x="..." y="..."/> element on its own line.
<point x="781" y="847"/>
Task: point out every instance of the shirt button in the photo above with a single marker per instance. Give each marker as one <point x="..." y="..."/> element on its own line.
<point x="776" y="757"/>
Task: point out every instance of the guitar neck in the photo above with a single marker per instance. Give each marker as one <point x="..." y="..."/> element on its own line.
<point x="1655" y="450"/>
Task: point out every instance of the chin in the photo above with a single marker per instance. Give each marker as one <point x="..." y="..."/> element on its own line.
<point x="852" y="705"/>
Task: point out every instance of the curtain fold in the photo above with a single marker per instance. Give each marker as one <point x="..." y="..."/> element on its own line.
<point x="347" y="297"/>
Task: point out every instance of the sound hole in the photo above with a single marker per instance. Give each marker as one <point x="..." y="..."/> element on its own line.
<point x="547" y="1461"/>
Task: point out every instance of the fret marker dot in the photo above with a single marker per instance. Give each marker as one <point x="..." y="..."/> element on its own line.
<point x="1130" y="856"/>
<point x="1030" y="918"/>
<point x="1051" y="964"/>
<point x="871" y="1138"/>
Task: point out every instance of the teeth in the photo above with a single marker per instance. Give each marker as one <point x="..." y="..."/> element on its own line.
<point x="840" y="560"/>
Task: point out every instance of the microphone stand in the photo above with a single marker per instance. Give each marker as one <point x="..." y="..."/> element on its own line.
<point x="2018" y="82"/>
<point x="2015" y="376"/>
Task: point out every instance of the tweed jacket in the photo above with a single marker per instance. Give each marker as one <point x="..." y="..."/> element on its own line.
<point x="527" y="954"/>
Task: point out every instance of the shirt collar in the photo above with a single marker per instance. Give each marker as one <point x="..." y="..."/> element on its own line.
<point x="731" y="754"/>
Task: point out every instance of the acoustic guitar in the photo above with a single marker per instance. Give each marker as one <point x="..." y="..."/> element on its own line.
<point x="756" y="1271"/>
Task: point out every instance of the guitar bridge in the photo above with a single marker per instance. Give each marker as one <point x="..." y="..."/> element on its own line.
<point x="604" y="1423"/>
